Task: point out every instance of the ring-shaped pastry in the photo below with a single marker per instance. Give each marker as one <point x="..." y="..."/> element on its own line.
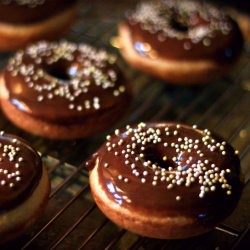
<point x="24" y="187"/>
<point x="26" y="21"/>
<point x="166" y="180"/>
<point x="64" y="90"/>
<point x="181" y="42"/>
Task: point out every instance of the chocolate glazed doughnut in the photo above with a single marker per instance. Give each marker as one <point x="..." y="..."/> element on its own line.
<point x="63" y="90"/>
<point x="26" y="21"/>
<point x="165" y="180"/>
<point x="180" y="41"/>
<point x="24" y="187"/>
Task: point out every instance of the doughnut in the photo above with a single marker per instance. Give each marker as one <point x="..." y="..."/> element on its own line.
<point x="182" y="42"/>
<point x="24" y="187"/>
<point x="165" y="180"/>
<point x="63" y="90"/>
<point x="26" y="21"/>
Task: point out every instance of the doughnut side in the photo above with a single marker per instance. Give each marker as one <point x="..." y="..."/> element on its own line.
<point x="168" y="227"/>
<point x="176" y="71"/>
<point x="15" y="36"/>
<point x="16" y="221"/>
<point x="95" y="123"/>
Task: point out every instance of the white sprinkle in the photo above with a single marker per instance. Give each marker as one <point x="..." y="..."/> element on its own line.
<point x="178" y="198"/>
<point x="11" y="185"/>
<point x="40" y="98"/>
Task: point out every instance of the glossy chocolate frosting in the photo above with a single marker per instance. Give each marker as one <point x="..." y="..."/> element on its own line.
<point x="184" y="30"/>
<point x="169" y="169"/>
<point x="20" y="171"/>
<point x="63" y="82"/>
<point x="29" y="11"/>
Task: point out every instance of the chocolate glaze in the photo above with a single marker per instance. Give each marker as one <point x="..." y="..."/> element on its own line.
<point x="185" y="30"/>
<point x="64" y="83"/>
<point x="17" y="13"/>
<point x="18" y="176"/>
<point x="131" y="187"/>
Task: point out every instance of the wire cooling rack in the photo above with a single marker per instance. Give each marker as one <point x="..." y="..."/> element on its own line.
<point x="72" y="220"/>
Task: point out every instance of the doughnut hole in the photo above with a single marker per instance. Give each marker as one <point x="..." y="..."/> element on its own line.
<point x="179" y="24"/>
<point x="156" y="156"/>
<point x="63" y="71"/>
